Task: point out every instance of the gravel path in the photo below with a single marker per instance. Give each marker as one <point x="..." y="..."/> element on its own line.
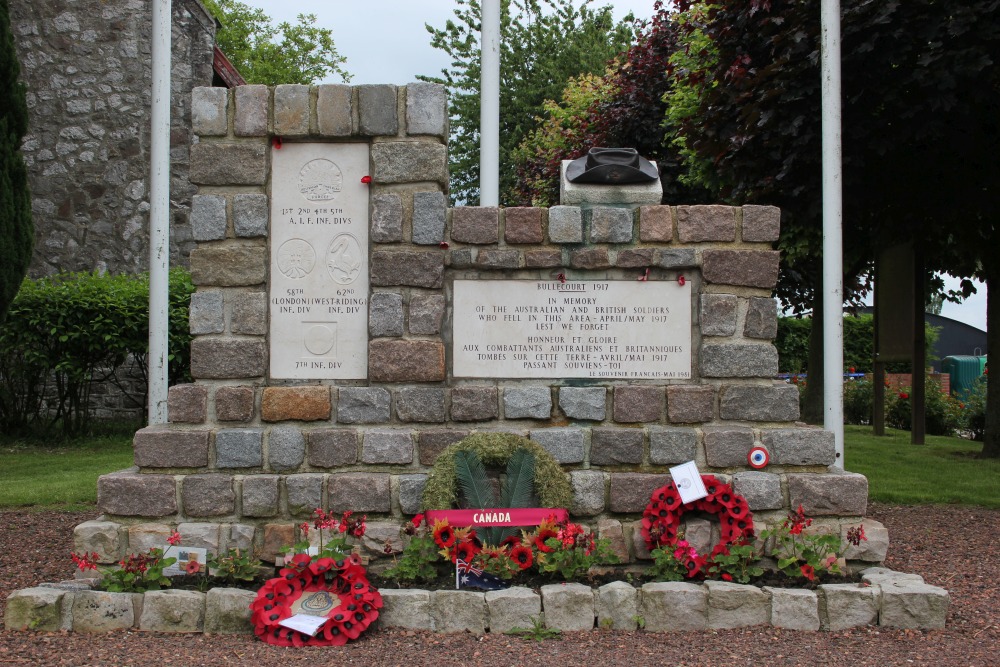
<point x="954" y="547"/>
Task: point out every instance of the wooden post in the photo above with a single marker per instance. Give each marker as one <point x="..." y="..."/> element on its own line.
<point x="918" y="393"/>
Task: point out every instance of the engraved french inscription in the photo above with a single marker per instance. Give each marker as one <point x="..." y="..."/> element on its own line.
<point x="319" y="262"/>
<point x="576" y="329"/>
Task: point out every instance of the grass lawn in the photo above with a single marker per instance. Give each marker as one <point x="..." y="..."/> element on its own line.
<point x="944" y="471"/>
<point x="59" y="477"/>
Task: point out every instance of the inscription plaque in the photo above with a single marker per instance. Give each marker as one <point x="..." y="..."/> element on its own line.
<point x="319" y="262"/>
<point x="578" y="329"/>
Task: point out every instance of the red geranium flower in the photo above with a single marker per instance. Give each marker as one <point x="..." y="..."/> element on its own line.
<point x="903" y="395"/>
<point x="523" y="556"/>
<point x="174" y="539"/>
<point x="808" y="572"/>
<point x="444" y="536"/>
<point x="726" y="576"/>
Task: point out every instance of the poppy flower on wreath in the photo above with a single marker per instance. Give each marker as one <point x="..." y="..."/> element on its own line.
<point x="465" y="551"/>
<point x="661" y="519"/>
<point x="444" y="535"/>
<point x="541" y="535"/>
<point x="522" y="556"/>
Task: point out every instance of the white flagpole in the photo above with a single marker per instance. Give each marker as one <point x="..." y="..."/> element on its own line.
<point x="833" y="251"/>
<point x="489" y="105"/>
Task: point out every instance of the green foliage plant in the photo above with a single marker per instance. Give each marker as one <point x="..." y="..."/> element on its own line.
<point x="137" y="573"/>
<point x="573" y="553"/>
<point x="803" y="555"/>
<point x="943" y="414"/>
<point x="267" y="54"/>
<point x="974" y="404"/>
<point x="16" y="227"/>
<point x="551" y="485"/>
<point x="667" y="564"/>
<point x="537" y="632"/>
<point x="739" y="565"/>
<point x="234" y="566"/>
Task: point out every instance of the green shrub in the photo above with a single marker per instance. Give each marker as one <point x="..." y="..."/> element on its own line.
<point x="974" y="402"/>
<point x="858" y="400"/>
<point x="944" y="414"/>
<point x="66" y="332"/>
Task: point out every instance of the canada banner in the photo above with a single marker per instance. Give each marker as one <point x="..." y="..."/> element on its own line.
<point x="502" y="516"/>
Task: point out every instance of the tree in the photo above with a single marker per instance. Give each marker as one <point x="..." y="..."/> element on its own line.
<point x="920" y="117"/>
<point x="304" y="54"/>
<point x="544" y="43"/>
<point x="16" y="228"/>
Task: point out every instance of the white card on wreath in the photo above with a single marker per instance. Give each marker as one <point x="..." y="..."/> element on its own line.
<point x="688" y="481"/>
<point x="304" y="623"/>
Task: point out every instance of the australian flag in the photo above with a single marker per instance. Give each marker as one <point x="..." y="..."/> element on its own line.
<point x="468" y="575"/>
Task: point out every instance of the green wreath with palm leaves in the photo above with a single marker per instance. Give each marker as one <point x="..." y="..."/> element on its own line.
<point x="531" y="472"/>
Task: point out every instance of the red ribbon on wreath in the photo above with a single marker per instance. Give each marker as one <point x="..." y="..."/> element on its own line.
<point x="662" y="518"/>
<point x="356" y="608"/>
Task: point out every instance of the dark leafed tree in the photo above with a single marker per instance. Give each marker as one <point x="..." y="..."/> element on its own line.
<point x="544" y="43"/>
<point x="920" y="132"/>
<point x="16" y="229"/>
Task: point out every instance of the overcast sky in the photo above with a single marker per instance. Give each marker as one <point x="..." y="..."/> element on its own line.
<point x="385" y="41"/>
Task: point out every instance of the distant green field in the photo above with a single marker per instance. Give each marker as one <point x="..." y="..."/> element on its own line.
<point x="943" y="471"/>
<point x="63" y="476"/>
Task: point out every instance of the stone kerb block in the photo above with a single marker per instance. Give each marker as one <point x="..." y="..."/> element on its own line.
<point x="696" y="224"/>
<point x="727" y="446"/>
<point x="393" y="360"/>
<point x="162" y="447"/>
<point x="377" y="110"/>
<point x="102" y="537"/>
<point x="386" y="218"/>
<point x="334" y="108"/>
<point x="523" y="225"/>
<point x="227" y="611"/>
<point x="718" y="314"/>
<point x="429" y="216"/>
<point x="475" y="224"/>
<point x="409" y="269"/>
<point x="389" y="446"/>
<point x="210" y="111"/>
<point x="589" y="403"/>
<point x="99" y="611"/>
<point x="674" y="607"/>
<point x="761" y="223"/>
<point x="566" y="445"/>
<point x="409" y="162"/>
<point x="291" y="110"/>
<point x="363" y="405"/>
<point x="208" y="495"/>
<point x="609" y="225"/>
<point x="229" y="266"/>
<point x="228" y="164"/>
<point x="656" y="224"/>
<point x="690" y="404"/>
<point x="510" y="608"/>
<point x="38" y="609"/>
<point x="406" y="608"/>
<point x="633" y="404"/>
<point x="913" y="606"/>
<point x="762" y="490"/>
<point x="613" y="446"/>
<point x="208" y="217"/>
<point x="671" y="445"/>
<point x="776" y="402"/>
<point x="173" y="611"/>
<point x="426" y="109"/>
<point x="286" y="449"/>
<point x="295" y="403"/>
<point x="420" y="404"/>
<point x="588" y="492"/>
<point x="459" y="611"/>
<point x="568" y="606"/>
<point x="234" y="404"/>
<point x="617" y="606"/>
<point x="127" y="493"/>
<point x="800" y="446"/>
<point x="565" y="224"/>
<point x="206" y="314"/>
<point x="527" y="402"/>
<point x="740" y="361"/>
<point x="747" y="268"/>
<point x="844" y="606"/>
<point x="631" y="491"/>
<point x="239" y="448"/>
<point x="252" y="104"/>
<point x="736" y="605"/>
<point x="360" y="492"/>
<point x="260" y="496"/>
<point x="793" y="608"/>
<point x="250" y="215"/>
<point x="835" y="493"/>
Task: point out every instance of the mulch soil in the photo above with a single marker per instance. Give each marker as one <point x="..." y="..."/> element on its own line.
<point x="953" y="547"/>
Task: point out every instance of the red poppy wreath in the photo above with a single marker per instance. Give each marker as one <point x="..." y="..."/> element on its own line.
<point x="662" y="518"/>
<point x="337" y="589"/>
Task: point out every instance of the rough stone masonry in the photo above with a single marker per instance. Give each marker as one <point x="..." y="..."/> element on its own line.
<point x="246" y="457"/>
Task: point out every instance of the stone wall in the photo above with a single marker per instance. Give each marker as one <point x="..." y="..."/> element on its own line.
<point x="245" y="457"/>
<point x="86" y="64"/>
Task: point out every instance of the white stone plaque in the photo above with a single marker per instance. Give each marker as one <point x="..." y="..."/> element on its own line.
<point x="319" y="262"/>
<point x="576" y="329"/>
